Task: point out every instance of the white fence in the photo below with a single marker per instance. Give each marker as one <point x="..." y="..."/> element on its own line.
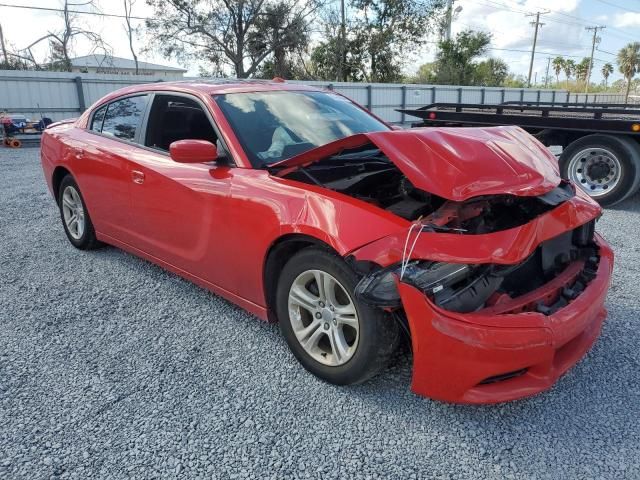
<point x="59" y="95"/>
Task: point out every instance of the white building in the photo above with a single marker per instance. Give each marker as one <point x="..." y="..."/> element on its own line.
<point x="122" y="66"/>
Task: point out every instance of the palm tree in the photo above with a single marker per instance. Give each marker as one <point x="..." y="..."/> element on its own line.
<point x="558" y="66"/>
<point x="629" y="63"/>
<point x="569" y="67"/>
<point x="582" y="70"/>
<point x="607" y="69"/>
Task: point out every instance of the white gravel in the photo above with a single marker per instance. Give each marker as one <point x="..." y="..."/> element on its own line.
<point x="111" y="367"/>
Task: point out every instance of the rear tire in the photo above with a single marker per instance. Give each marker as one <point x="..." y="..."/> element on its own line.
<point x="607" y="167"/>
<point x="368" y="349"/>
<point x="75" y="216"/>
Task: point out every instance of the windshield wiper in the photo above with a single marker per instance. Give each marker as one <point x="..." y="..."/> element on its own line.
<point x="363" y="155"/>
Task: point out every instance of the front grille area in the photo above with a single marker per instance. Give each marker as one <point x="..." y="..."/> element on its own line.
<point x="571" y="258"/>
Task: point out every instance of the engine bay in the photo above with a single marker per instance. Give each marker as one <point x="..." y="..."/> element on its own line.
<point x="368" y="175"/>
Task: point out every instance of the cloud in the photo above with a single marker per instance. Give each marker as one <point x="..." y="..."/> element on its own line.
<point x="627" y="19"/>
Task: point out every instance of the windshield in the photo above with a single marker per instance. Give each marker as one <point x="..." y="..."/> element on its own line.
<point x="273" y="126"/>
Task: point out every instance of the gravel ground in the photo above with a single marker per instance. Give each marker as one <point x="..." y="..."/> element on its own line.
<point x="113" y="368"/>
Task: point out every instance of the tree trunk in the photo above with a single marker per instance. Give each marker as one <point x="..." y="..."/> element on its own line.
<point x="238" y="66"/>
<point x="626" y="95"/>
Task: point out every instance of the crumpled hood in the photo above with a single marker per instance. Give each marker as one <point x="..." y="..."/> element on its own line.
<point x="456" y="163"/>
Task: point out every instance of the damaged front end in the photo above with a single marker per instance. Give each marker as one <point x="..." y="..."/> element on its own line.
<point x="498" y="315"/>
<point x="497" y="273"/>
<point x="467" y="288"/>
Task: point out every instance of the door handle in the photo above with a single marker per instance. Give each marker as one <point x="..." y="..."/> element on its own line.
<point x="137" y="176"/>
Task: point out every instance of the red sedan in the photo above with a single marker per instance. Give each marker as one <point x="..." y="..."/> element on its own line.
<point x="303" y="208"/>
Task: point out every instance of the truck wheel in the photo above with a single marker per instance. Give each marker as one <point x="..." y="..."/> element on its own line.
<point x="607" y="167"/>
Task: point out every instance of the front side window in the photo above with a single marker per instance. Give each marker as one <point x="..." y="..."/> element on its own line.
<point x="273" y="126"/>
<point x="173" y="118"/>
<point x="123" y="117"/>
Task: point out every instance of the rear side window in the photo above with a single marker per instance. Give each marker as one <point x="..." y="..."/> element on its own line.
<point x="98" y="117"/>
<point x="123" y="117"/>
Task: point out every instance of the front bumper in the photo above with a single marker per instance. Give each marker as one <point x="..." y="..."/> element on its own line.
<point x="488" y="358"/>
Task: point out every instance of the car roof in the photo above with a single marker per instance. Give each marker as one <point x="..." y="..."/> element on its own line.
<point x="215" y="86"/>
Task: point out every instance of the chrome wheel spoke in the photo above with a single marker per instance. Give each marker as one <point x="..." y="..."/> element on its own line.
<point x="68" y="202"/>
<point x="349" y="320"/>
<point x="311" y="342"/>
<point x="73" y="212"/>
<point x="339" y="346"/>
<point x="303" y="298"/>
<point x="322" y="282"/>
<point x="327" y="329"/>
<point x="304" y="334"/>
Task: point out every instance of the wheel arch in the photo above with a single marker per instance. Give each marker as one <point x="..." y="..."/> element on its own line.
<point x="56" y="179"/>
<point x="277" y="255"/>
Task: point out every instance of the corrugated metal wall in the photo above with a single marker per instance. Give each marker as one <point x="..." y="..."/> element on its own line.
<point x="61" y="95"/>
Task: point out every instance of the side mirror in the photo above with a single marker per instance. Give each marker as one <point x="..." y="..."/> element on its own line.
<point x="193" y="151"/>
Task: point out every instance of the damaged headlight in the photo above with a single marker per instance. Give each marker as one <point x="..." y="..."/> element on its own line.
<point x="379" y="288"/>
<point x="452" y="286"/>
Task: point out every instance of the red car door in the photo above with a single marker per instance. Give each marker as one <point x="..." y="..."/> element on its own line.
<point x="102" y="163"/>
<point x="180" y="211"/>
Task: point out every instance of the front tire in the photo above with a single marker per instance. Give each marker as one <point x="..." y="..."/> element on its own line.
<point x="333" y="336"/>
<point x="75" y="216"/>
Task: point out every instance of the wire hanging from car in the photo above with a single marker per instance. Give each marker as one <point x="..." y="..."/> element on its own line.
<point x="406" y="257"/>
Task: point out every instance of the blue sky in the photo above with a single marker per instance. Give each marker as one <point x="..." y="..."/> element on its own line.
<point x="563" y="33"/>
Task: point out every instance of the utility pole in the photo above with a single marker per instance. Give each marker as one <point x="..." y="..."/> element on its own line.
<point x="4" y="48"/>
<point x="546" y="77"/>
<point x="537" y="25"/>
<point x="448" y="20"/>
<point x="593" y="47"/>
<point x="343" y="41"/>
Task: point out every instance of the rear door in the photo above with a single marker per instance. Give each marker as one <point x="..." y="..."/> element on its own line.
<point x="104" y="152"/>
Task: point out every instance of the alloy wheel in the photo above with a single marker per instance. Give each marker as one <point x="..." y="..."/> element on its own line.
<point x="323" y="317"/>
<point x="73" y="212"/>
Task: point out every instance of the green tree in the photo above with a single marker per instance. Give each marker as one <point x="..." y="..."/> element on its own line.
<point x="558" y="66"/>
<point x="491" y="72"/>
<point x="388" y="29"/>
<point x="455" y="59"/>
<point x="629" y="62"/>
<point x="569" y="68"/>
<point x="240" y="34"/>
<point x="324" y="65"/>
<point x="426" y="73"/>
<point x="379" y="33"/>
<point x="515" y="81"/>
<point x="285" y="43"/>
<point x="607" y="69"/>
<point x="582" y="70"/>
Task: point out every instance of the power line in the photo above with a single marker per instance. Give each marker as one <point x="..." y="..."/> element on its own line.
<point x="580" y="21"/>
<point x="619" y="6"/>
<point x="608" y="53"/>
<point x="80" y="12"/>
